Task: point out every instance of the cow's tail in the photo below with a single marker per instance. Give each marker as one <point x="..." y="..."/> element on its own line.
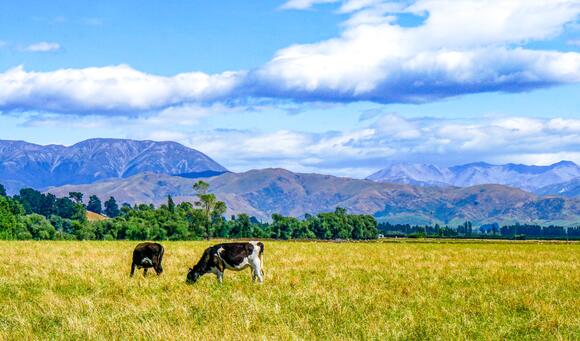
<point x="161" y="253"/>
<point x="261" y="256"/>
<point x="161" y="257"/>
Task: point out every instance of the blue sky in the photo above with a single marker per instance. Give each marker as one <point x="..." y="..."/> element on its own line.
<point x="338" y="87"/>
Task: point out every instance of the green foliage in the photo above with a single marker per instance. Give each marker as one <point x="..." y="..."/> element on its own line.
<point x="170" y="204"/>
<point x="39" y="227"/>
<point x="77" y="197"/>
<point x="10" y="210"/>
<point x="34" y="215"/>
<point x="486" y="231"/>
<point x="210" y="206"/>
<point x="95" y="204"/>
<point x="111" y="208"/>
<point x="2" y="191"/>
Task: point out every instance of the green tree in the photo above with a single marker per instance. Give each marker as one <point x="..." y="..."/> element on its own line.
<point x="39" y="227"/>
<point x="209" y="205"/>
<point x="30" y="199"/>
<point x="77" y="197"/>
<point x="2" y="191"/>
<point x="65" y="208"/>
<point x="10" y="211"/>
<point x="111" y="208"/>
<point x="95" y="204"/>
<point x="170" y="204"/>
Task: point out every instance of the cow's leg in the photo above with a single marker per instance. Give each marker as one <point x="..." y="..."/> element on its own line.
<point x="220" y="276"/>
<point x="254" y="276"/>
<point x="257" y="270"/>
<point x="145" y="272"/>
<point x="132" y="269"/>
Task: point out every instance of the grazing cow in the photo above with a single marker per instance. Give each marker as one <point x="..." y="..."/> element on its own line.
<point x="147" y="255"/>
<point x="232" y="256"/>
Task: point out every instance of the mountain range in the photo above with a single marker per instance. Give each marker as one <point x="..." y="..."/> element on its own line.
<point x="263" y="192"/>
<point x="24" y="164"/>
<point x="540" y="179"/>
<point x="148" y="171"/>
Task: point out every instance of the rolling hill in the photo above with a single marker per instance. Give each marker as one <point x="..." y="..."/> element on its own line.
<point x="24" y="164"/>
<point x="263" y="192"/>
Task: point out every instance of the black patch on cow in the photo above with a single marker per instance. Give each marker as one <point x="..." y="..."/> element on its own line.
<point x="148" y="255"/>
<point x="232" y="253"/>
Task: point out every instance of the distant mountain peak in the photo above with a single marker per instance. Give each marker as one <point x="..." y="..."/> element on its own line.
<point x="564" y="163"/>
<point x="29" y="165"/>
<point x="527" y="177"/>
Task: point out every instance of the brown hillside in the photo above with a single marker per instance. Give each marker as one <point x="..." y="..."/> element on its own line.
<point x="92" y="216"/>
<point x="263" y="192"/>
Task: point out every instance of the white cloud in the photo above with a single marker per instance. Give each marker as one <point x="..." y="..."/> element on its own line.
<point x="539" y="159"/>
<point x="113" y="89"/>
<point x="43" y="47"/>
<point x="433" y="140"/>
<point x="304" y="4"/>
<point x="356" y="152"/>
<point x="456" y="47"/>
<point x="462" y="47"/>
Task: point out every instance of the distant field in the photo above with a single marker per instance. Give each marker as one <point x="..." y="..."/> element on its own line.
<point x="377" y="290"/>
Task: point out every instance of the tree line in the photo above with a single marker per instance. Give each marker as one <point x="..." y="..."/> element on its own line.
<point x="34" y="215"/>
<point x="487" y="231"/>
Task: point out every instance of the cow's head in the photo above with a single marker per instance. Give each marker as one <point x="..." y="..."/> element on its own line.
<point x="201" y="268"/>
<point x="193" y="275"/>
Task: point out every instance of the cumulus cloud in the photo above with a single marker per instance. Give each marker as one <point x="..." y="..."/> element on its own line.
<point x="457" y="47"/>
<point x="352" y="152"/>
<point x="393" y="137"/>
<point x="462" y="47"/>
<point x="43" y="47"/>
<point x="114" y="89"/>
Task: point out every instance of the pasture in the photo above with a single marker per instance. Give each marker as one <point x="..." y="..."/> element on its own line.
<point x="313" y="290"/>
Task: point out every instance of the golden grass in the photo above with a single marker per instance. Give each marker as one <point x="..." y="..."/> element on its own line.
<point x="380" y="290"/>
<point x="92" y="216"/>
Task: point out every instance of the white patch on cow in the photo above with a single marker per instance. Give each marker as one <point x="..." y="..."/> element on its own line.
<point x="146" y="262"/>
<point x="253" y="261"/>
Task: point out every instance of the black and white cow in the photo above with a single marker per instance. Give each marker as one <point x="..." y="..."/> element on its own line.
<point x="232" y="256"/>
<point x="147" y="255"/>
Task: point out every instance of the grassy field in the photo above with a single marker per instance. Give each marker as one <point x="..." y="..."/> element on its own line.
<point x="378" y="290"/>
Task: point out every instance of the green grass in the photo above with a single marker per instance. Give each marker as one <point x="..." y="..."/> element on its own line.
<point x="378" y="290"/>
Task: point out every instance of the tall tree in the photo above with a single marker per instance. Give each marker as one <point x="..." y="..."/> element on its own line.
<point x="95" y="204"/>
<point x="10" y="210"/>
<point x="77" y="197"/>
<point x="111" y="208"/>
<point x="170" y="204"/>
<point x="2" y="191"/>
<point x="209" y="205"/>
<point x="31" y="199"/>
